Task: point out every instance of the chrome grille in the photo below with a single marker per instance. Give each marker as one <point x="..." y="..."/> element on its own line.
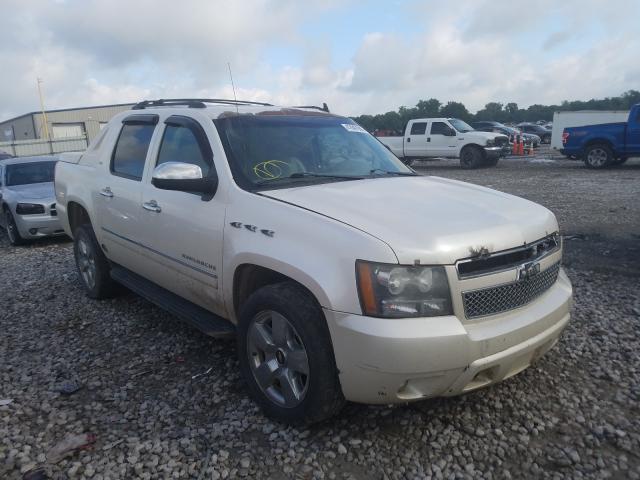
<point x="501" y="140"/>
<point x="486" y="263"/>
<point x="493" y="300"/>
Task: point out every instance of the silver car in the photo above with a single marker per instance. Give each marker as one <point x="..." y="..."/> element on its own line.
<point x="28" y="198"/>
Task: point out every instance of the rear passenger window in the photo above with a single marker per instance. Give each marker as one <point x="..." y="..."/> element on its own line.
<point x="418" y="128"/>
<point x="131" y="150"/>
<point x="179" y="144"/>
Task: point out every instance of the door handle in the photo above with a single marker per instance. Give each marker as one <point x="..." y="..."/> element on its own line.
<point x="409" y="140"/>
<point x="152" y="206"/>
<point x="428" y="139"/>
<point x="106" y="192"/>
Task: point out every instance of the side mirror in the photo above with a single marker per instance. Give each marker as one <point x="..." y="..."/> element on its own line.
<point x="183" y="177"/>
<point x="451" y="132"/>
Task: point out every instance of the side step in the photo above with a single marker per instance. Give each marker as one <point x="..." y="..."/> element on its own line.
<point x="205" y="321"/>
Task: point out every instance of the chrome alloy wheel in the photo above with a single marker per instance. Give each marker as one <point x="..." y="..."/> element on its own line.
<point x="597" y="157"/>
<point x="278" y="359"/>
<point x="86" y="263"/>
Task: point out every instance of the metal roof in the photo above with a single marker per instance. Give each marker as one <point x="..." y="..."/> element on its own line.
<point x="67" y="110"/>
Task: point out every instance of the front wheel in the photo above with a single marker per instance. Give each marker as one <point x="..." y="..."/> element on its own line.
<point x="598" y="156"/>
<point x="471" y="157"/>
<point x="93" y="266"/>
<point x="286" y="355"/>
<point x="13" y="234"/>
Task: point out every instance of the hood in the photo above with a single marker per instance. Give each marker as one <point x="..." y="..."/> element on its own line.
<point x="430" y="219"/>
<point x="476" y="134"/>
<point x="34" y="191"/>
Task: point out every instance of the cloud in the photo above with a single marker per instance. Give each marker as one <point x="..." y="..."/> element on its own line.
<point x="92" y="52"/>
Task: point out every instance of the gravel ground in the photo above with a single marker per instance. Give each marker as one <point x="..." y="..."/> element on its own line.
<point x="575" y="414"/>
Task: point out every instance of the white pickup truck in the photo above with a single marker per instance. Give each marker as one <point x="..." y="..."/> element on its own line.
<point x="343" y="274"/>
<point x="448" y="138"/>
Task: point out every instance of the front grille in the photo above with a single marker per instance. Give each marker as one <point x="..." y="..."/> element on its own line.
<point x="487" y="263"/>
<point x="493" y="300"/>
<point x="52" y="210"/>
<point x="501" y="141"/>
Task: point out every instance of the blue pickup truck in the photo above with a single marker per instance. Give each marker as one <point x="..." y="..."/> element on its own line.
<point x="606" y="144"/>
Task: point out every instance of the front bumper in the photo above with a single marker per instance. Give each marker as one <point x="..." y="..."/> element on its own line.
<point x="38" y="226"/>
<point x="383" y="361"/>
<point x="493" y="152"/>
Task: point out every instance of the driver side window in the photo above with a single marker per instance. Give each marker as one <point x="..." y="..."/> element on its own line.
<point x="180" y="144"/>
<point x="440" y="128"/>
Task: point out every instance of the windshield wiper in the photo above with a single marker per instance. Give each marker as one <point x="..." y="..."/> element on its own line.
<point x="299" y="175"/>
<point x="389" y="172"/>
<point x="325" y="175"/>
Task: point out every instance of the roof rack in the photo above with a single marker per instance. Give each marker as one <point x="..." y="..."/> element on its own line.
<point x="323" y="108"/>
<point x="193" y="103"/>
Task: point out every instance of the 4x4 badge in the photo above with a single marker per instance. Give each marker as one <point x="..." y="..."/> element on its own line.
<point x="528" y="270"/>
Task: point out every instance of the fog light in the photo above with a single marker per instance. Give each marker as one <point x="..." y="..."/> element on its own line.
<point x="33" y="231"/>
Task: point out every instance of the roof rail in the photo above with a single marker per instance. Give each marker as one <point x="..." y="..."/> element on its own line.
<point x="323" y="108"/>
<point x="193" y="103"/>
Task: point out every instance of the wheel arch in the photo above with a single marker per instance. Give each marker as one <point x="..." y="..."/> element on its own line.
<point x="598" y="141"/>
<point x="249" y="276"/>
<point x="473" y="145"/>
<point x="77" y="215"/>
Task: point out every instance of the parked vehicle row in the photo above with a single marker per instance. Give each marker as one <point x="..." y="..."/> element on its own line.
<point x="511" y="132"/>
<point x="449" y="138"/>
<point x="540" y="131"/>
<point x="342" y="273"/>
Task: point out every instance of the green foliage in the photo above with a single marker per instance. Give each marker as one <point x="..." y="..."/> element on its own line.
<point x="491" y="111"/>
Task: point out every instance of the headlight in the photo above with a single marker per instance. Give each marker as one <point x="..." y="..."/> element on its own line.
<point x="397" y="291"/>
<point x="29" y="208"/>
<point x="491" y="143"/>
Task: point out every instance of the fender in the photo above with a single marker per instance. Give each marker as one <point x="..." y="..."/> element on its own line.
<point x="281" y="267"/>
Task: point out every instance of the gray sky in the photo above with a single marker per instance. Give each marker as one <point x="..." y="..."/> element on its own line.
<point x="359" y="57"/>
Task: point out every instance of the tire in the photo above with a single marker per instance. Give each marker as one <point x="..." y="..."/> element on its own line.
<point x="598" y="155"/>
<point x="285" y="392"/>
<point x="471" y="157"/>
<point x="93" y="267"/>
<point x="13" y="234"/>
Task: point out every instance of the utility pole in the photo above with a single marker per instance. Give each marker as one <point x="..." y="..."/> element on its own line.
<point x="44" y="115"/>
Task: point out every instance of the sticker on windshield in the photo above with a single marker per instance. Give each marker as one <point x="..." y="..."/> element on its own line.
<point x="350" y="127"/>
<point x="269" y="170"/>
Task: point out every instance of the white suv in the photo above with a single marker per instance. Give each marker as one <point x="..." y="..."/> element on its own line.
<point x="343" y="273"/>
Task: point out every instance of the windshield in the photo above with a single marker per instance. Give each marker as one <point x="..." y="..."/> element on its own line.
<point x="460" y="126"/>
<point x="32" y="172"/>
<point x="274" y="151"/>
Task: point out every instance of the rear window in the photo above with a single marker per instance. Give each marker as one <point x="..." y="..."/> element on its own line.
<point x="131" y="150"/>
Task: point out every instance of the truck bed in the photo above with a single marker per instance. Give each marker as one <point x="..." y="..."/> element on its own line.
<point x="395" y="144"/>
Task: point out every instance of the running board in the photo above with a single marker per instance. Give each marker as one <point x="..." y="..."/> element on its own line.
<point x="205" y="321"/>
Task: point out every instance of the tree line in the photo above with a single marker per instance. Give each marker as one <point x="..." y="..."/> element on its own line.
<point x="505" y="113"/>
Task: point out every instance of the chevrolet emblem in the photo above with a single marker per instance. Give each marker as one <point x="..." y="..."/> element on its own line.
<point x="528" y="270"/>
